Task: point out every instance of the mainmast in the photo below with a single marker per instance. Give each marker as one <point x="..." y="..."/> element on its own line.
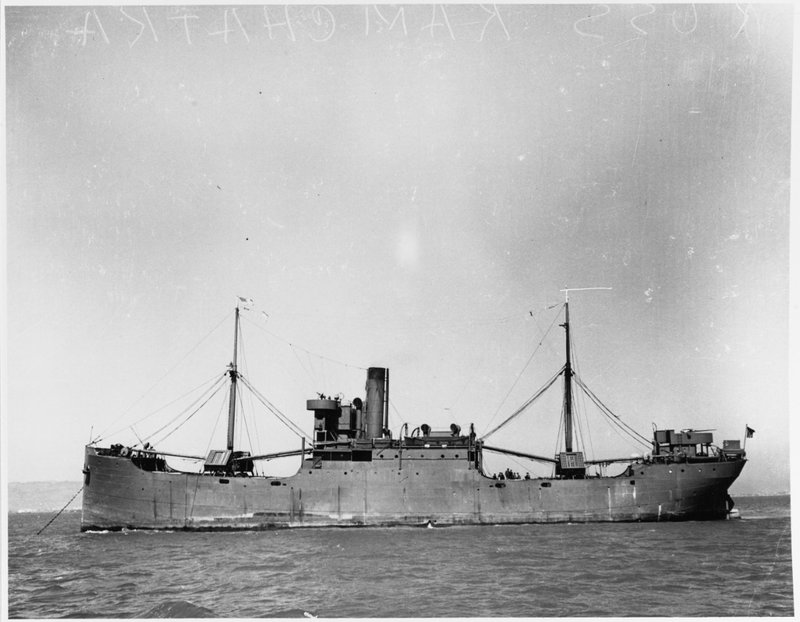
<point x="568" y="369"/>
<point x="234" y="375"/>
<point x="567" y="382"/>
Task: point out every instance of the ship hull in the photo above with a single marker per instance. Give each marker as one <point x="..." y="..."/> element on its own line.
<point x="404" y="490"/>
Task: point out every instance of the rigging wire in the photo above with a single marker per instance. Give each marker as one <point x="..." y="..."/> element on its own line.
<point x="536" y="349"/>
<point x="212" y="388"/>
<point x="60" y="511"/>
<point x="582" y="420"/>
<point x="275" y="411"/>
<point x="397" y="412"/>
<point x="522" y="465"/>
<point x="412" y="324"/>
<point x="579" y="439"/>
<point x="211" y="437"/>
<point x="619" y="432"/>
<point x="166" y="373"/>
<point x="611" y="416"/>
<point x="476" y="368"/>
<point x="580" y="411"/>
<point x="309" y="352"/>
<point x="214" y="378"/>
<point x="303" y="367"/>
<point x="534" y="316"/>
<point x="219" y="386"/>
<point x="255" y="448"/>
<point x="530" y="401"/>
<point x="244" y="422"/>
<point x="559" y="432"/>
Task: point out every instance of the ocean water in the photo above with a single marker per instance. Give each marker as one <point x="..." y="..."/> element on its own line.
<point x="725" y="568"/>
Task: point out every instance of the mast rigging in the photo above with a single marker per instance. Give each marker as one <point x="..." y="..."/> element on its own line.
<point x="568" y="373"/>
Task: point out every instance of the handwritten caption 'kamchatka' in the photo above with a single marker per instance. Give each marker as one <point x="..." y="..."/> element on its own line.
<point x="321" y="23"/>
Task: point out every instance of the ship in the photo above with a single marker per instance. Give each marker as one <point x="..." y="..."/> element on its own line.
<point x="354" y="473"/>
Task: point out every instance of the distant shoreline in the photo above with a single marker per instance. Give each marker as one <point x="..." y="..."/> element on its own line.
<point x="43" y="496"/>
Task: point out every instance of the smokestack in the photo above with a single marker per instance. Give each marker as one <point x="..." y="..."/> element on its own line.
<point x="373" y="420"/>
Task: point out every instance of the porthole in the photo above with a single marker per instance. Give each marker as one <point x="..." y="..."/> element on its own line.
<point x="546" y="484"/>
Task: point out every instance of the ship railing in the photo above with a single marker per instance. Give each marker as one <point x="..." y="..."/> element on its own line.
<point x="130" y="452"/>
<point x="681" y="457"/>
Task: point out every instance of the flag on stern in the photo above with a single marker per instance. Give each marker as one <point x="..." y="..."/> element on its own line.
<point x="749" y="431"/>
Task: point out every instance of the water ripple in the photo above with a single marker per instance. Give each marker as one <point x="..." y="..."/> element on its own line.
<point x="729" y="568"/>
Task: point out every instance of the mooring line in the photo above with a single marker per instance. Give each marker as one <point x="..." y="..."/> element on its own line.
<point x="60" y="511"/>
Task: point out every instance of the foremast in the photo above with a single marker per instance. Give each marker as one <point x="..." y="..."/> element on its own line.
<point x="567" y="382"/>
<point x="229" y="461"/>
<point x="234" y="374"/>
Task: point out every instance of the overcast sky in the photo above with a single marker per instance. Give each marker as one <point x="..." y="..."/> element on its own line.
<point x="400" y="186"/>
